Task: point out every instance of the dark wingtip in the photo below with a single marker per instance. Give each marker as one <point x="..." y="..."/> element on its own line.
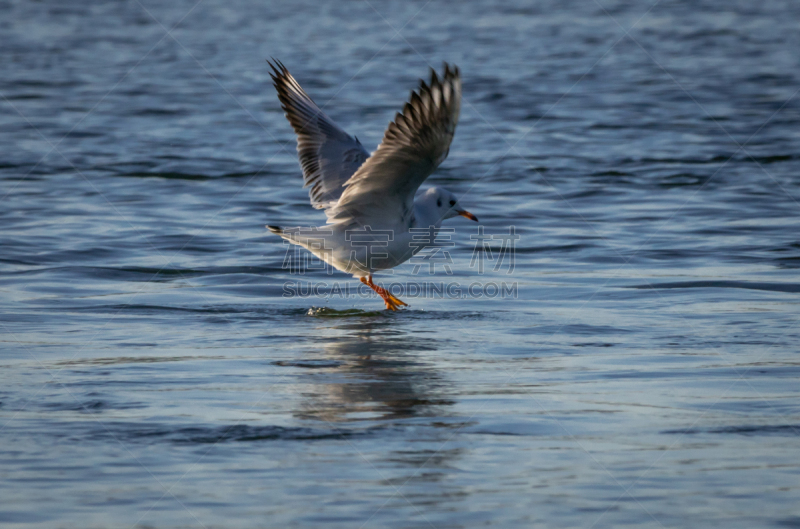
<point x="275" y="72"/>
<point x="451" y="71"/>
<point x="278" y="69"/>
<point x="275" y="229"/>
<point x="434" y="77"/>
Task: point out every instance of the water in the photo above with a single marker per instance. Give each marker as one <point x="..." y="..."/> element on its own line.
<point x="646" y="372"/>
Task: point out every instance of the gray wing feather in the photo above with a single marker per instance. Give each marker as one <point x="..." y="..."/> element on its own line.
<point x="328" y="155"/>
<point x="413" y="146"/>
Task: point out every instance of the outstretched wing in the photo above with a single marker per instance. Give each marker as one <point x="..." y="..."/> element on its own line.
<point x="414" y="145"/>
<point x="328" y="155"/>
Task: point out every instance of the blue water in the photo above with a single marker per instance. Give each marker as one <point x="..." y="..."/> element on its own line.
<point x="643" y="370"/>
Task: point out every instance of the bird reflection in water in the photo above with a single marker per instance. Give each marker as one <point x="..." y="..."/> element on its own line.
<point x="373" y="371"/>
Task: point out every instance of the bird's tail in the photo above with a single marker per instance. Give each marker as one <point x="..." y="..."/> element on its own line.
<point x="306" y="237"/>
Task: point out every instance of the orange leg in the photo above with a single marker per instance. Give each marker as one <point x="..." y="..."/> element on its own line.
<point x="392" y="303"/>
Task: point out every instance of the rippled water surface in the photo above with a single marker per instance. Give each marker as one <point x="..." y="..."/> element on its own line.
<point x="645" y="371"/>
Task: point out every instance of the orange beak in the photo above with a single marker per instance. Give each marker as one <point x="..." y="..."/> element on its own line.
<point x="467" y="214"/>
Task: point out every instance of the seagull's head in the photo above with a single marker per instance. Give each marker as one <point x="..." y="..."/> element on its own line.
<point x="445" y="204"/>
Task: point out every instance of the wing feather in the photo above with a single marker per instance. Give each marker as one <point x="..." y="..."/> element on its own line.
<point x="328" y="155"/>
<point x="413" y="146"/>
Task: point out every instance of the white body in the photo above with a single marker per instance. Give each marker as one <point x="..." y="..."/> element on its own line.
<point x="364" y="246"/>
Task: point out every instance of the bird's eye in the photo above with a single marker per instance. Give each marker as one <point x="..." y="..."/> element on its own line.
<point x="439" y="203"/>
<point x="452" y="203"/>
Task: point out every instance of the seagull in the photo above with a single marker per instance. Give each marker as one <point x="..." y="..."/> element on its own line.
<point x="374" y="221"/>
